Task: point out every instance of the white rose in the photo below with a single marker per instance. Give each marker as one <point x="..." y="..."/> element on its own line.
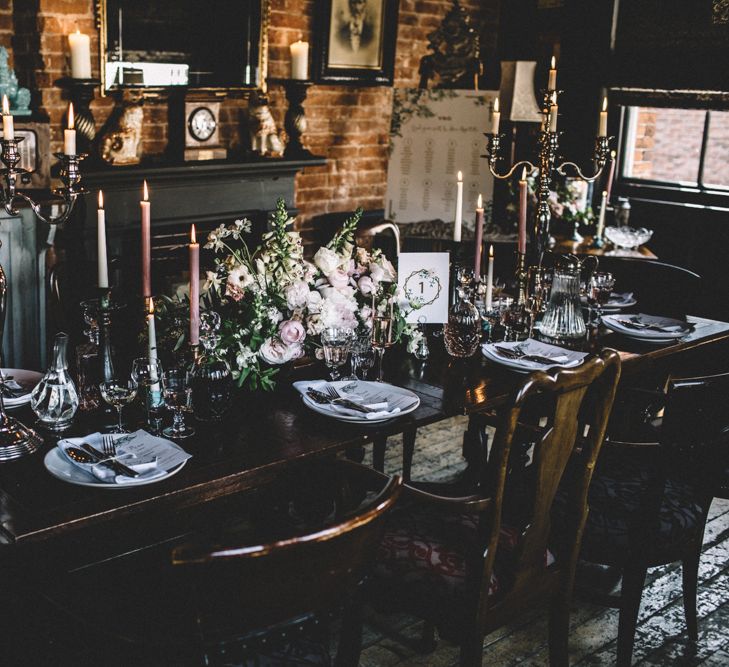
<point x="275" y="352"/>
<point x="327" y="260"/>
<point x="383" y="271"/>
<point x="314" y="301"/>
<point x="297" y="295"/>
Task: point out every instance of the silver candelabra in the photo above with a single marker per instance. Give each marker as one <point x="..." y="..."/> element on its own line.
<point x="547" y="167"/>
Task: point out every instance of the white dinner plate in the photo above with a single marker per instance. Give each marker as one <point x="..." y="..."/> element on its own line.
<point x="394" y="393"/>
<point x="613" y="322"/>
<point x="57" y="464"/>
<point x="27" y="381"/>
<point x="527" y="366"/>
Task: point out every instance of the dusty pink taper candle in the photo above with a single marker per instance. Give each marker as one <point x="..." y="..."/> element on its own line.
<point x="145" y="208"/>
<point x="479" y="238"/>
<point x="194" y="288"/>
<point x="522" y="212"/>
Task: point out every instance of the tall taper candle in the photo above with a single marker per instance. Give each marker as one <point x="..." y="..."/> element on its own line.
<point x="602" y="125"/>
<point x="522" y="211"/>
<point x="146" y="209"/>
<point x="552" y="83"/>
<point x="611" y="175"/>
<point x="490" y="280"/>
<point x="8" y="128"/>
<point x="459" y="208"/>
<point x="495" y="117"/>
<point x="102" y="267"/>
<point x="69" y="134"/>
<point x="601" y="217"/>
<point x="194" y="288"/>
<point x="553" y="114"/>
<point x="479" y="238"/>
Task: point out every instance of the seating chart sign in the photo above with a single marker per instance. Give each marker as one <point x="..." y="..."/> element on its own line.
<point x="423" y="279"/>
<point x="434" y="135"/>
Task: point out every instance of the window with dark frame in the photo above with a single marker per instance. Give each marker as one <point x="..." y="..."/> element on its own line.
<point x="667" y="146"/>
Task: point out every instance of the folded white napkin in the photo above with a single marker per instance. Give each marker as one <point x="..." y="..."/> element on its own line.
<point x="617" y="298"/>
<point x="559" y="356"/>
<point x="361" y="395"/>
<point x="149" y="455"/>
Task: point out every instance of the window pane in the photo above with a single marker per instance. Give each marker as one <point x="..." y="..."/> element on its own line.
<point x="716" y="164"/>
<point x="665" y="144"/>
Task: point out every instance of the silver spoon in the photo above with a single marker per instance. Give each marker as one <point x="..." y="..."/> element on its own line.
<point x="79" y="455"/>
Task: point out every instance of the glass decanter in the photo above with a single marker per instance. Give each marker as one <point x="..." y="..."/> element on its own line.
<point x="211" y="381"/>
<point x="462" y="333"/>
<point x="87" y="360"/>
<point x="563" y="319"/>
<point x="55" y="399"/>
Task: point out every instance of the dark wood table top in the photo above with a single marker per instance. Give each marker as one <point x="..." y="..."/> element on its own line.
<point x="269" y="433"/>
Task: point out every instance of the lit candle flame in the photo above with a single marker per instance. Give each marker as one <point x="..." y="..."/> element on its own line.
<point x="101" y="199"/>
<point x="496" y="105"/>
<point x="70" y="116"/>
<point x="145" y="191"/>
<point x="6" y="106"/>
<point x="604" y="103"/>
<point x="613" y="154"/>
<point x="604" y="194"/>
<point x="460" y="176"/>
<point x="150" y="310"/>
<point x="523" y="174"/>
<point x="193" y="236"/>
<point x="491" y="251"/>
<point x="553" y="64"/>
<point x="479" y="203"/>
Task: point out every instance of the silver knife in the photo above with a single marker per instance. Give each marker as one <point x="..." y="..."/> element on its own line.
<point x="117" y="466"/>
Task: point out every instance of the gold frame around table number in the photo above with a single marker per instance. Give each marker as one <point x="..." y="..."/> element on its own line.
<point x="100" y="13"/>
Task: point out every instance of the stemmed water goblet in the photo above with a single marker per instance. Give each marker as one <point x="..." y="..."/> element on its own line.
<point x="363" y="356"/>
<point x="119" y="392"/>
<point x="178" y="398"/>
<point x="382" y="338"/>
<point x="336" y="343"/>
<point x="599" y="290"/>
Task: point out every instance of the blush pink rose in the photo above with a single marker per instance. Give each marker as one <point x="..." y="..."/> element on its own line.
<point x="338" y="278"/>
<point x="292" y="331"/>
<point x="366" y="285"/>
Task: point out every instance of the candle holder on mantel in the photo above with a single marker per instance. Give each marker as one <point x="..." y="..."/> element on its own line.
<point x="82" y="92"/>
<point x="546" y="169"/>
<point x="295" y="118"/>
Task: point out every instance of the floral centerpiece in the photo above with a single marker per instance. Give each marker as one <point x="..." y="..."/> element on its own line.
<point x="274" y="304"/>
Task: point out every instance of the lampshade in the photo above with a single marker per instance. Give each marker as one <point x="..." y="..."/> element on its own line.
<point x="516" y="94"/>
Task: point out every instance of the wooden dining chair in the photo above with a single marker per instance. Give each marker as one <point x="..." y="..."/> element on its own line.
<point x="229" y="601"/>
<point x="649" y="500"/>
<point x="470" y="564"/>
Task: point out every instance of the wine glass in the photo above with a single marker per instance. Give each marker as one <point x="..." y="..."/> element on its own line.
<point x="381" y="339"/>
<point x="148" y="374"/>
<point x="177" y="395"/>
<point x="336" y="343"/>
<point x="598" y="294"/>
<point x="363" y="356"/>
<point x="119" y="392"/>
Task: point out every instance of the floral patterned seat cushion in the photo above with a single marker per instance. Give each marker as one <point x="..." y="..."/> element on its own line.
<point x="424" y="558"/>
<point x="618" y="492"/>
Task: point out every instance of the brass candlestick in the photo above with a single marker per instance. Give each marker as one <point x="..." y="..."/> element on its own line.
<point x="522" y="279"/>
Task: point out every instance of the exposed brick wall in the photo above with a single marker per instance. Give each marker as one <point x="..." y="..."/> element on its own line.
<point x="668" y="145"/>
<point x="348" y="125"/>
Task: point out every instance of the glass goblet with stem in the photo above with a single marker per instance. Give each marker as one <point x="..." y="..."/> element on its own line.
<point x="363" y="356"/>
<point x="178" y="398"/>
<point x="336" y="343"/>
<point x="382" y="330"/>
<point x="119" y="392"/>
<point x="599" y="291"/>
<point x="148" y="374"/>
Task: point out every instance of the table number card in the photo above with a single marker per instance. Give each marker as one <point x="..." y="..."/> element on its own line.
<point x="423" y="279"/>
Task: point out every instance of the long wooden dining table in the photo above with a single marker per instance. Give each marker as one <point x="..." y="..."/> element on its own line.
<point x="44" y="520"/>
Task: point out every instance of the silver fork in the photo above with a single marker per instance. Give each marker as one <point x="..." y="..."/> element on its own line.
<point x="108" y="446"/>
<point x="331" y="392"/>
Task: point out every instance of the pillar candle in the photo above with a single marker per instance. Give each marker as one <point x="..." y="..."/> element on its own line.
<point x="495" y="117"/>
<point x="69" y="134"/>
<point x="522" y="211"/>
<point x="479" y="238"/>
<point x="80" y="46"/>
<point x="602" y="125"/>
<point x="300" y="60"/>
<point x="552" y="84"/>
<point x="8" y="128"/>
<point x="146" y="211"/>
<point x="601" y="218"/>
<point x="194" y="288"/>
<point x="459" y="208"/>
<point x="490" y="280"/>
<point x="102" y="268"/>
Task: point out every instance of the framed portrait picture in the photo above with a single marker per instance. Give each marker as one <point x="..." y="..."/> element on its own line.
<point x="355" y="41"/>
